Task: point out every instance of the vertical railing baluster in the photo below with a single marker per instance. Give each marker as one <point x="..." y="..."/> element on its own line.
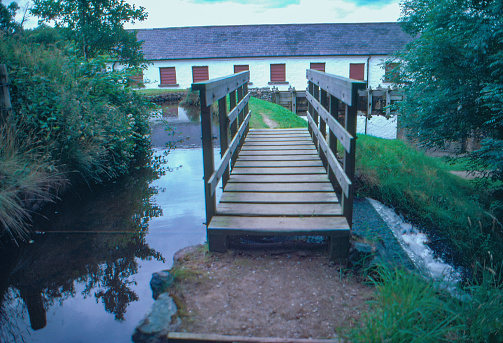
<point x="316" y="95"/>
<point x="349" y="157"/>
<point x="310" y="108"/>
<point x="323" y="124"/>
<point x="224" y="133"/>
<point x="241" y="115"/>
<point x="208" y="159"/>
<point x="334" y="111"/>
<point x="234" y="125"/>
<point x="245" y="89"/>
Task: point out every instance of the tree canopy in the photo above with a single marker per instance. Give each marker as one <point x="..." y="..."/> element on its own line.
<point x="7" y="14"/>
<point x="96" y="25"/>
<point x="453" y="72"/>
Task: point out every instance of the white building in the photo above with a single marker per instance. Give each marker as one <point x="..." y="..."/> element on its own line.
<point x="275" y="55"/>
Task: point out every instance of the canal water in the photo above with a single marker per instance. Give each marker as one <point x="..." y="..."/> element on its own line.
<point x="85" y="276"/>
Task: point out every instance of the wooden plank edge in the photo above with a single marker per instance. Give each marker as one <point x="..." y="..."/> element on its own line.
<point x="175" y="337"/>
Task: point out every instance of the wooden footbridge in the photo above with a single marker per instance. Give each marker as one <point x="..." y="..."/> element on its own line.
<point x="281" y="181"/>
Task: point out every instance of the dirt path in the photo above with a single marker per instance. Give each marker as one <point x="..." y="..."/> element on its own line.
<point x="268" y="121"/>
<point x="296" y="294"/>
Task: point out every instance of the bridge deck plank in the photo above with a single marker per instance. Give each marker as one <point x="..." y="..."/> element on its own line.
<point x="279" y="186"/>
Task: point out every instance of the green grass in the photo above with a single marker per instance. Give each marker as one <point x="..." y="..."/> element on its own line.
<point x="409" y="308"/>
<point x="280" y="115"/>
<point x="26" y="176"/>
<point x="422" y="188"/>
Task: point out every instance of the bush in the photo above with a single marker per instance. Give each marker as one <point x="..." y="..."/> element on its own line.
<point x="83" y="124"/>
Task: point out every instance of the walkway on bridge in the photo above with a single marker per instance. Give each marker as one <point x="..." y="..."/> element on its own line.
<point x="278" y="186"/>
<point x="280" y="181"/>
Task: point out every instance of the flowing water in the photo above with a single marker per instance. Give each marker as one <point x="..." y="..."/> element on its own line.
<point x="85" y="276"/>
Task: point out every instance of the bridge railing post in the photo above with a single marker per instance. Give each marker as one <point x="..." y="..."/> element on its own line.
<point x="238" y="119"/>
<point x="208" y="159"/>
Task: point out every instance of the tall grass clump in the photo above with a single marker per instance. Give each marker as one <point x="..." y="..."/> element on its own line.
<point x="410" y="308"/>
<point x="27" y="177"/>
<point x="420" y="187"/>
<point x="70" y="119"/>
<point x="407" y="308"/>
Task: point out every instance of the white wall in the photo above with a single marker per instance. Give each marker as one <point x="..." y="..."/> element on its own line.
<point x="260" y="69"/>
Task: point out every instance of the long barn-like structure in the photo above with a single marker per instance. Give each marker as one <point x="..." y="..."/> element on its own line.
<point x="276" y="55"/>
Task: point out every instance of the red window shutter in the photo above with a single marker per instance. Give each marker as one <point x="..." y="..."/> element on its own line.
<point x="357" y="71"/>
<point x="137" y="78"/>
<point x="240" y="68"/>
<point x="168" y="76"/>
<point x="318" y="66"/>
<point x="200" y="74"/>
<point x="278" y="73"/>
<point x="389" y="73"/>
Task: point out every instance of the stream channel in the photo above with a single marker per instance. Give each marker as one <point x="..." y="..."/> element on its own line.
<point x="85" y="276"/>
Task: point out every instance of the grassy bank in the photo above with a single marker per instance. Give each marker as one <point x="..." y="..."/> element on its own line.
<point x="452" y="209"/>
<point x="408" y="307"/>
<point x="278" y="114"/>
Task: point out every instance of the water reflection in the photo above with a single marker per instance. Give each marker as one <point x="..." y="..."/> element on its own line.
<point x="180" y="127"/>
<point x="92" y="243"/>
<point x="86" y="276"/>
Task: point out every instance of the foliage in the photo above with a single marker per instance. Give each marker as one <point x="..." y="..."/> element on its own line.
<point x="450" y="208"/>
<point x="80" y="122"/>
<point x="96" y="25"/>
<point x="7" y="14"/>
<point x="409" y="308"/>
<point x="453" y="73"/>
<point x="27" y="176"/>
<point x="280" y="115"/>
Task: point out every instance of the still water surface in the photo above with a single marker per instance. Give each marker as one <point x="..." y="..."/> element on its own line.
<point x="85" y="277"/>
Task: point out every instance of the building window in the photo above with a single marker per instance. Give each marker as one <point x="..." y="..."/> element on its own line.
<point x="357" y="71"/>
<point x="200" y="74"/>
<point x="278" y="73"/>
<point x="240" y="68"/>
<point x="317" y="66"/>
<point x="391" y="72"/>
<point x="137" y="78"/>
<point x="168" y="76"/>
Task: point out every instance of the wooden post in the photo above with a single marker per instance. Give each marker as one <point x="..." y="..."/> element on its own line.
<point x="323" y="124"/>
<point x="388" y="102"/>
<point x="294" y="100"/>
<point x="310" y="90"/>
<point x="224" y="134"/>
<point x="349" y="157"/>
<point x="334" y="111"/>
<point x="246" y="109"/>
<point x="316" y="95"/>
<point x="5" y="104"/>
<point x="369" y="107"/>
<point x="234" y="125"/>
<point x="242" y="113"/>
<point x="208" y="160"/>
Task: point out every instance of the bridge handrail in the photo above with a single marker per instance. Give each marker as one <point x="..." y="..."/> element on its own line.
<point x="324" y="93"/>
<point x="209" y="92"/>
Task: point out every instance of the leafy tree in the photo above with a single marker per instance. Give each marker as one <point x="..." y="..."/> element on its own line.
<point x="7" y="14"/>
<point x="97" y="25"/>
<point x="453" y="73"/>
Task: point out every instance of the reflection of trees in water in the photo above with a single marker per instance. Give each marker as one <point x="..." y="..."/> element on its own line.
<point x="94" y="240"/>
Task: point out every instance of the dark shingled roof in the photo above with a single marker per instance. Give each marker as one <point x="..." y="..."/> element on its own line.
<point x="272" y="40"/>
